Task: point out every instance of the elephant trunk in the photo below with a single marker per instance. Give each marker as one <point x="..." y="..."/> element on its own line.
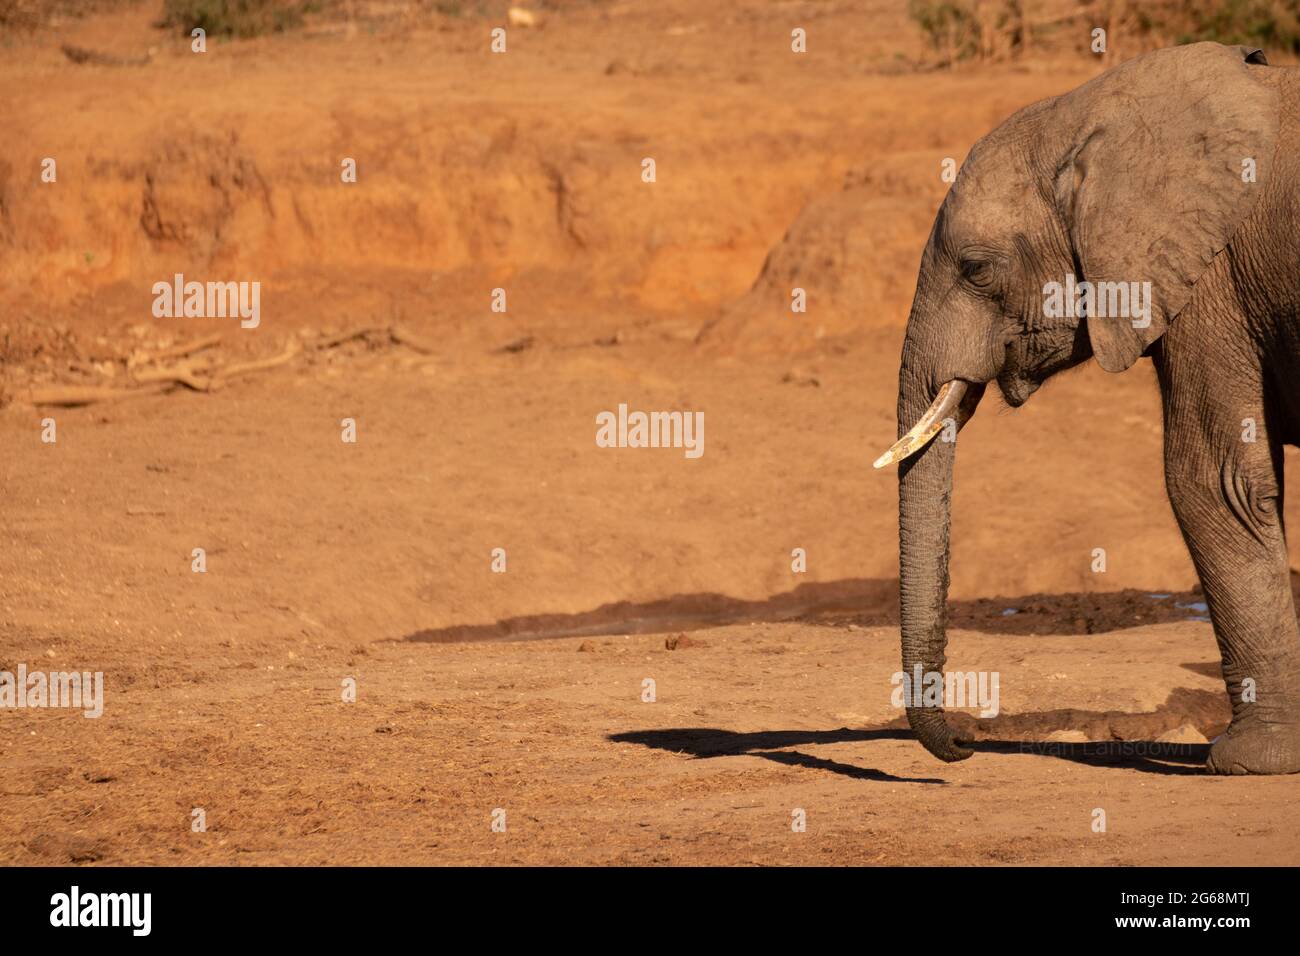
<point x="924" y="495"/>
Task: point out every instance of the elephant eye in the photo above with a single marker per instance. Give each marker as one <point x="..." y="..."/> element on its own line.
<point x="978" y="272"/>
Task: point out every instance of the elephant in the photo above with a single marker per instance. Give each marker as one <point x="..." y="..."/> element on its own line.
<point x="1174" y="174"/>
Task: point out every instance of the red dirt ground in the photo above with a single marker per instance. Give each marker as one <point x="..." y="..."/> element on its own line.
<point x="371" y="560"/>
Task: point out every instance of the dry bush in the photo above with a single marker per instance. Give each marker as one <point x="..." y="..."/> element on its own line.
<point x="989" y="30"/>
<point x="1271" y="24"/>
<point x="237" y="18"/>
<point x="29" y="14"/>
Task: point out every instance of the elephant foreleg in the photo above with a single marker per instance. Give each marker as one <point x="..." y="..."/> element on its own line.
<point x="1226" y="492"/>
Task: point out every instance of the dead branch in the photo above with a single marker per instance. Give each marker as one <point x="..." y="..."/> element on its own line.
<point x="185" y="373"/>
<point x="334" y="340"/>
<point x="403" y="336"/>
<point x="79" y="54"/>
<point x="73" y="396"/>
<point x="290" y="352"/>
<point x="176" y="351"/>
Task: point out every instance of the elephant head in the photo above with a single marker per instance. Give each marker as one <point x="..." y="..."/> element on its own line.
<point x="1141" y="175"/>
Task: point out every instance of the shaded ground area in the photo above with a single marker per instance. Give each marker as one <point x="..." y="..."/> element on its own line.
<point x="747" y="726"/>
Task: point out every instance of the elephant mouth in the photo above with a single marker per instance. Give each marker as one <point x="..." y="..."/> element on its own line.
<point x="1016" y="389"/>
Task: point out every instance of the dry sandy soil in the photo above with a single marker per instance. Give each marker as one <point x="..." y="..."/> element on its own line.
<point x="523" y="691"/>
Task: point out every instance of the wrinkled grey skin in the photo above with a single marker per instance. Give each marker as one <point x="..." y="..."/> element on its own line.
<point x="1135" y="176"/>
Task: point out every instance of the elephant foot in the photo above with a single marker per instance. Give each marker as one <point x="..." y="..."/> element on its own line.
<point x="1260" y="748"/>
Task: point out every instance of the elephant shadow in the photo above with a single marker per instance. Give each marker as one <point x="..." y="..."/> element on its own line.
<point x="1144" y="756"/>
<point x="707" y="743"/>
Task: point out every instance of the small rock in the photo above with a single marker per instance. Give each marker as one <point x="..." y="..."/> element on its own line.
<point x="586" y="647"/>
<point x="680" y="642"/>
<point x="519" y="17"/>
<point x="518" y="345"/>
<point x="799" y="377"/>
<point x="1186" y="734"/>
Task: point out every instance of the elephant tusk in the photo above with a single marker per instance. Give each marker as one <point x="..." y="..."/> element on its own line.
<point x="945" y="403"/>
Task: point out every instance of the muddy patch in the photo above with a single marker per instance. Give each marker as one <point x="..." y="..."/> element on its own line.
<point x="849" y="603"/>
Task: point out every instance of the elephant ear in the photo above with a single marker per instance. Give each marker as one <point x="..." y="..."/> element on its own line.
<point x="1158" y="178"/>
